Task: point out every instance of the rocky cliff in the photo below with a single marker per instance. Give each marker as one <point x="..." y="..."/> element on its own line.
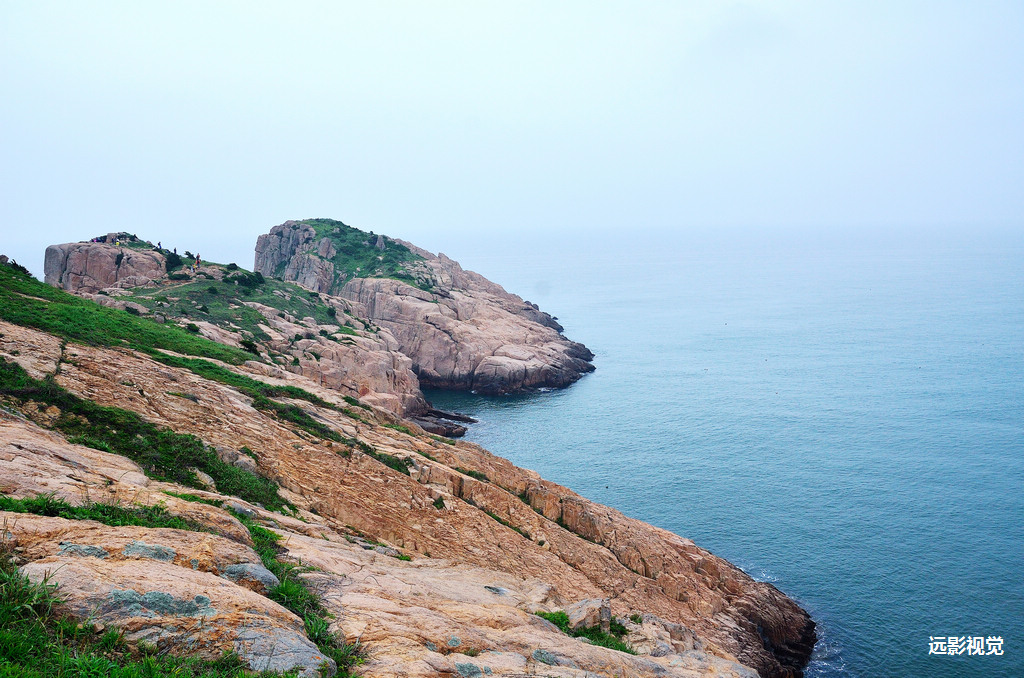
<point x="460" y="330"/>
<point x="326" y="339"/>
<point x="86" y="267"/>
<point x="429" y="555"/>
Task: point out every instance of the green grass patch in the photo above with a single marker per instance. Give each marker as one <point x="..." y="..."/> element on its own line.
<point x="357" y="254"/>
<point x="162" y="453"/>
<point x="38" y="642"/>
<point x="86" y="322"/>
<point x="594" y="634"/>
<point x="400" y="464"/>
<point x="294" y="594"/>
<point x="473" y="474"/>
<point x="401" y="429"/>
<point x="219" y="503"/>
<point x="507" y="524"/>
<point x="442" y="439"/>
<point x="108" y="514"/>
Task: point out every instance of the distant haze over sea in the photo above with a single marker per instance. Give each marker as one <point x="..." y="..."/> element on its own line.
<point x="842" y="417"/>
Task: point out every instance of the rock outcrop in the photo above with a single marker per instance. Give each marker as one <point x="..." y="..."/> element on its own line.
<point x="461" y="331"/>
<point x="90" y="267"/>
<point x="490" y="543"/>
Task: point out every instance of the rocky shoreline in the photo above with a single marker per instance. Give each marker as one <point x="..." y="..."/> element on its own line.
<point x="420" y="541"/>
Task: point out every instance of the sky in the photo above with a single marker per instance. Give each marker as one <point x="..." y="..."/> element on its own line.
<point x="460" y="124"/>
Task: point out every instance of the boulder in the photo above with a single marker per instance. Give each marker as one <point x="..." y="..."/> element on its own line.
<point x="89" y="267"/>
<point x="589" y="613"/>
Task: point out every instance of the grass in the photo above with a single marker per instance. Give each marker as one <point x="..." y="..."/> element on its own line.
<point x="224" y="302"/>
<point x="357" y="254"/>
<point x="36" y="641"/>
<point x="86" y="322"/>
<point x="594" y="634"/>
<point x="293" y="594"/>
<point x="219" y="503"/>
<point x="400" y="464"/>
<point x="507" y="524"/>
<point x="401" y="429"/>
<point x="473" y="474"/>
<point x="108" y="514"/>
<point x="162" y="453"/>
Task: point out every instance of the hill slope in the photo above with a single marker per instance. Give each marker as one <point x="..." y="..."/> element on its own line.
<point x="433" y="555"/>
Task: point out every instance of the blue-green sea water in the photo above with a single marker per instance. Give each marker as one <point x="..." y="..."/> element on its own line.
<point x="844" y="422"/>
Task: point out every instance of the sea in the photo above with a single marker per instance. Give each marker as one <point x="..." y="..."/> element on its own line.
<point x="842" y="418"/>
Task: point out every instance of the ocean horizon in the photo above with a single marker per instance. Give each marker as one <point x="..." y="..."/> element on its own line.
<point x="843" y="421"/>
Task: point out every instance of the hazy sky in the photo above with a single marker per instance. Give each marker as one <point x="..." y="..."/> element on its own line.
<point x="203" y="124"/>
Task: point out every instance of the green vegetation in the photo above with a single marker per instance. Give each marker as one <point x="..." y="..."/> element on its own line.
<point x="359" y="257"/>
<point x="400" y="464"/>
<point x="636" y="618"/>
<point x="26" y="301"/>
<point x="219" y="503"/>
<point x="223" y="302"/>
<point x="38" y="642"/>
<point x="473" y="474"/>
<point x="401" y="429"/>
<point x="293" y="594"/>
<point x="442" y="439"/>
<point x="439" y="502"/>
<point x="300" y="418"/>
<point x="507" y="524"/>
<point x="162" y="453"/>
<point x="594" y="634"/>
<point x="108" y="514"/>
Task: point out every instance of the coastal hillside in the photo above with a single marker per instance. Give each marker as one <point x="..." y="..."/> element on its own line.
<point x="462" y="331"/>
<point x="188" y="499"/>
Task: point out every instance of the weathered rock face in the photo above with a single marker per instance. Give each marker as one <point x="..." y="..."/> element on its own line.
<point x="465" y="333"/>
<point x="90" y="267"/>
<point x="368" y="365"/>
<point x="474" y="579"/>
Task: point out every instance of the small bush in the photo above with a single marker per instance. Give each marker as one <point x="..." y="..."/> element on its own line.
<point x="132" y="310"/>
<point x="174" y="262"/>
<point x="232" y="266"/>
<point x="193" y="328"/>
<point x="212" y="290"/>
<point x="250" y="346"/>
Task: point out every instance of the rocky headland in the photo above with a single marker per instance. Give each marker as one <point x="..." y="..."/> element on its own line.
<point x="430" y="556"/>
<point x="462" y="331"/>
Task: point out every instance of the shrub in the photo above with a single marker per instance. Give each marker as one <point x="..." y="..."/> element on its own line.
<point x="250" y="346"/>
<point x="232" y="266"/>
<point x="132" y="310"/>
<point x="193" y="328"/>
<point x="173" y="262"/>
<point x="212" y="290"/>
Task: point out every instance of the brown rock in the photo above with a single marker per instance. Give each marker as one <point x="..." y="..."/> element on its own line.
<point x="90" y="267"/>
<point x="466" y="333"/>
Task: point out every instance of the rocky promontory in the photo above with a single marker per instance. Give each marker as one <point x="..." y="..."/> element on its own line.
<point x="462" y="331"/>
<point x="283" y="424"/>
